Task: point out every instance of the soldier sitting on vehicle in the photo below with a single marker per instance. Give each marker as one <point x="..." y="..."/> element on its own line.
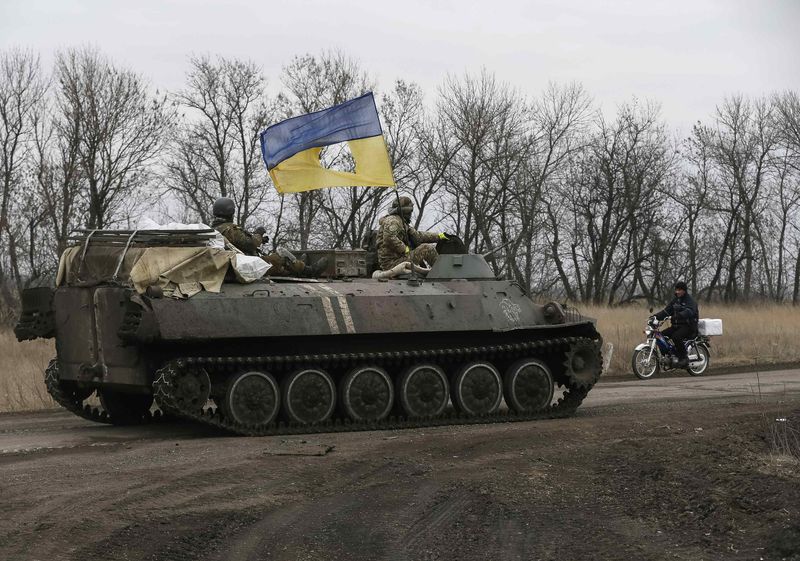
<point x="283" y="263"/>
<point x="395" y="235"/>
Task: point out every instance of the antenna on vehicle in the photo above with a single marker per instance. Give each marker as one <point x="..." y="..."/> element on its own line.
<point x="495" y="250"/>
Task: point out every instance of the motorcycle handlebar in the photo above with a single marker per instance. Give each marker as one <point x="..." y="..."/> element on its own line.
<point x="652" y="321"/>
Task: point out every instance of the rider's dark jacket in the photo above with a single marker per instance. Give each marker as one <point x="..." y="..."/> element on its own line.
<point x="682" y="311"/>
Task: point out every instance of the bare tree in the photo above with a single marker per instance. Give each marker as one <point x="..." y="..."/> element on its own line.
<point x="121" y="127"/>
<point x="741" y="144"/>
<point x="609" y="206"/>
<point x="22" y="88"/>
<point x="559" y="119"/>
<point x="488" y="119"/>
<point x="216" y="153"/>
<point x="437" y="147"/>
<point x="58" y="178"/>
<point x="189" y="177"/>
<point x="788" y="106"/>
<point x="692" y="196"/>
<point x="784" y="196"/>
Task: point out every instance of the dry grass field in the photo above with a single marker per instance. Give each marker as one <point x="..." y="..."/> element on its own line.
<point x="22" y="372"/>
<point x="757" y="335"/>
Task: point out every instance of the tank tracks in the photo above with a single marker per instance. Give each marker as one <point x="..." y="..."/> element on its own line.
<point x="576" y="387"/>
<point x="73" y="400"/>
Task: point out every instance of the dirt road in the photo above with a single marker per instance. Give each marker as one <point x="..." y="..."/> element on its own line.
<point x="677" y="468"/>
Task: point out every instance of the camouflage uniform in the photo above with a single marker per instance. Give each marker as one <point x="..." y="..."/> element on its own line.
<point x="285" y="267"/>
<point x="244" y="241"/>
<point x="392" y="243"/>
<point x="249" y="244"/>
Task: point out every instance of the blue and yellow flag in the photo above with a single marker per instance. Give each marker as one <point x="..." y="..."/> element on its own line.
<point x="291" y="148"/>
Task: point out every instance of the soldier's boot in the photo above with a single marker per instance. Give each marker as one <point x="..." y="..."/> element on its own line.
<point x="298" y="268"/>
<point x="424" y="255"/>
<point x="320" y="266"/>
<point x="276" y="269"/>
<point x="303" y="270"/>
<point x="291" y="264"/>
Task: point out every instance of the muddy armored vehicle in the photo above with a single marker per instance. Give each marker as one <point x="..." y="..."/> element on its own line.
<point x="157" y="317"/>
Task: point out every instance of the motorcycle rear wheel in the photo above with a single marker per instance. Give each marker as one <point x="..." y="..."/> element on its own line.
<point x="643" y="368"/>
<point x="699" y="367"/>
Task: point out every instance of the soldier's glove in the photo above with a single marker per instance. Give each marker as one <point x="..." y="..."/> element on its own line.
<point x="443" y="236"/>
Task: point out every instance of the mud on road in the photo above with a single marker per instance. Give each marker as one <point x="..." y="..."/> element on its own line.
<point x="632" y="477"/>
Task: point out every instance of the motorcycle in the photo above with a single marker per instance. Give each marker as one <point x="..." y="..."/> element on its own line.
<point x="658" y="353"/>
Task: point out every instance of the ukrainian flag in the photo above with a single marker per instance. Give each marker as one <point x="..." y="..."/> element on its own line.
<point x="291" y="148"/>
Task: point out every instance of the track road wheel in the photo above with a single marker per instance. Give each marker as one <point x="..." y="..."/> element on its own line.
<point x="583" y="364"/>
<point x="252" y="399"/>
<point x="423" y="391"/>
<point x="528" y="385"/>
<point x="125" y="408"/>
<point x="367" y="393"/>
<point x="477" y="389"/>
<point x="309" y="396"/>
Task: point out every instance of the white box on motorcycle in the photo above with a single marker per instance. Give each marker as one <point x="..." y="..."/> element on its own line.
<point x="709" y="327"/>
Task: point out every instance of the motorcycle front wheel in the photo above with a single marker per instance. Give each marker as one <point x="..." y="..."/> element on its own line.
<point x="645" y="363"/>
<point x="698" y="367"/>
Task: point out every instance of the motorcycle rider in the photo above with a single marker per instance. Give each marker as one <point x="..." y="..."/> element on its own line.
<point x="683" y="314"/>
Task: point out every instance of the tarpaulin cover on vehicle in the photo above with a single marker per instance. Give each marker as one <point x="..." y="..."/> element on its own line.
<point x="185" y="268"/>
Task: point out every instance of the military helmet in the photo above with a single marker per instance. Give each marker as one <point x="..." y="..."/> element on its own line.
<point x="680" y="285"/>
<point x="224" y="207"/>
<point x="404" y="204"/>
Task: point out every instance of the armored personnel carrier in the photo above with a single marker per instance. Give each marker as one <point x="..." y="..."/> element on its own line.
<point x="143" y="317"/>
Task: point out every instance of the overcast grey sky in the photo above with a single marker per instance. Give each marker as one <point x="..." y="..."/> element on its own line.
<point x="686" y="54"/>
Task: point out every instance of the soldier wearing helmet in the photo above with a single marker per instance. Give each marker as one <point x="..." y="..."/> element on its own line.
<point x="283" y="263"/>
<point x="398" y="241"/>
<point x="246" y="242"/>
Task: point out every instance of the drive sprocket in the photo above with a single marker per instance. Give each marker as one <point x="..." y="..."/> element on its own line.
<point x="583" y="364"/>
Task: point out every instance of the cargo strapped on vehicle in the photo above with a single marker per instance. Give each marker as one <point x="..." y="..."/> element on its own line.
<point x="709" y="327"/>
